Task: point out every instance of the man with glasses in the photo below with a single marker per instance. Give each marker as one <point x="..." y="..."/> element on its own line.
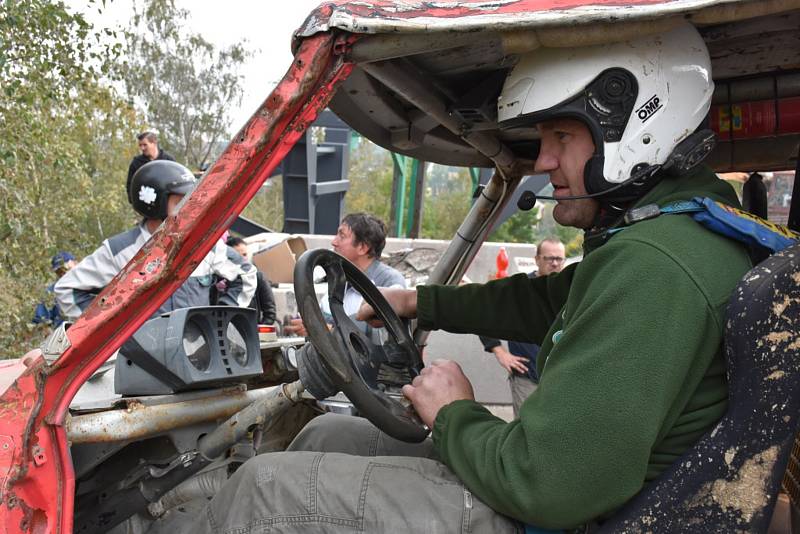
<point x="520" y="357"/>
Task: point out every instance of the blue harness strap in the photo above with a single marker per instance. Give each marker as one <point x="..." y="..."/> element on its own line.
<point x="725" y="220"/>
<point x="683" y="206"/>
<point x="745" y="226"/>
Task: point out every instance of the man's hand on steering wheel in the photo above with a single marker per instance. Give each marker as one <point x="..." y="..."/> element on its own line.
<point x="402" y="301"/>
<point x="436" y="386"/>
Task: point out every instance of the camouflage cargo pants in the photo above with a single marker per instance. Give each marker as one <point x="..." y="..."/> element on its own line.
<point x="365" y="481"/>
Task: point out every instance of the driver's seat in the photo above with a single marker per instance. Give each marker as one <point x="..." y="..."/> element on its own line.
<point x="728" y="482"/>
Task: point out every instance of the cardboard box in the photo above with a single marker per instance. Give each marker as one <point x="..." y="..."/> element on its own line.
<point x="277" y="261"/>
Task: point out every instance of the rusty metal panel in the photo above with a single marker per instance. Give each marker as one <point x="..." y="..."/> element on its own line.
<point x="137" y="421"/>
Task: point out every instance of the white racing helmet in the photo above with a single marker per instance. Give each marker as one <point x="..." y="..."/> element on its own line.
<point x="641" y="99"/>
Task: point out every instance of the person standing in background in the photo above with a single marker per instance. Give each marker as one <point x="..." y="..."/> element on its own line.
<point x="263" y="301"/>
<point x="47" y="311"/>
<point x="520" y="358"/>
<point x="148" y="145"/>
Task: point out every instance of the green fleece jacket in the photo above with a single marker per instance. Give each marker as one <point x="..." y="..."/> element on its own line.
<point x="631" y="365"/>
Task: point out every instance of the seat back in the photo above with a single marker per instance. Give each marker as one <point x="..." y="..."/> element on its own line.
<point x="729" y="480"/>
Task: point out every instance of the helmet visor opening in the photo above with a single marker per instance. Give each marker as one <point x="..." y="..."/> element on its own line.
<point x="604" y="106"/>
<point x="523" y="132"/>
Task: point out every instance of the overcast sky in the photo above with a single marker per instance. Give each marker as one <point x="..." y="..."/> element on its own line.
<point x="267" y="25"/>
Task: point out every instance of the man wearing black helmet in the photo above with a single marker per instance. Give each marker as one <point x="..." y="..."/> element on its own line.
<point x="156" y="190"/>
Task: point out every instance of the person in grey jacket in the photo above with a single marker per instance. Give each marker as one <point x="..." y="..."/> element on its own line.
<point x="360" y="239"/>
<point x="264" y="301"/>
<point x="157" y="189"/>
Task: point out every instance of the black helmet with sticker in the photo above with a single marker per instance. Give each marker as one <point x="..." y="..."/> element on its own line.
<point x="154" y="182"/>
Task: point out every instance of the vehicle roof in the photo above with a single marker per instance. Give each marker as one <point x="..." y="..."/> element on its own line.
<point x="403" y="17"/>
<point x="460" y="52"/>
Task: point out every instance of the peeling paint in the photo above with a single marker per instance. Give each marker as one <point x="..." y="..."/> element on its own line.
<point x="779" y="307"/>
<point x="152" y="266"/>
<point x="416" y="16"/>
<point x="730" y="454"/>
<point x="745" y="494"/>
<point x="779" y="337"/>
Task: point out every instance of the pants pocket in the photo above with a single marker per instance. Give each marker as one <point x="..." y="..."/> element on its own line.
<point x="422" y="495"/>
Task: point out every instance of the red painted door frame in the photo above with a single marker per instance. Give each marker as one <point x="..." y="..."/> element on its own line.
<point x="36" y="473"/>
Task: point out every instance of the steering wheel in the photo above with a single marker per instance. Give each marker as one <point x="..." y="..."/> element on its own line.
<point x="369" y="375"/>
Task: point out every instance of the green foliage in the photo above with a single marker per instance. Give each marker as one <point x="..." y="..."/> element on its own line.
<point x="184" y="84"/>
<point x="64" y="152"/>
<point x="572" y="239"/>
<point x="448" y="198"/>
<point x="445" y="202"/>
<point x="266" y="208"/>
<point x="530" y="227"/>
<point x="370" y="174"/>
<point x="519" y="228"/>
<point x="547" y="226"/>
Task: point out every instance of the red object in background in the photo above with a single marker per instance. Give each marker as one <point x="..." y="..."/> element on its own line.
<point x="751" y="120"/>
<point x="502" y="263"/>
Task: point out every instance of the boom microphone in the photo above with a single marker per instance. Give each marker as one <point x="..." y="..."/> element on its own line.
<point x="527" y="200"/>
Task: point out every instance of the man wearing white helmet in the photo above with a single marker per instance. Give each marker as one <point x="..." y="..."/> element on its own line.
<point x="631" y="364"/>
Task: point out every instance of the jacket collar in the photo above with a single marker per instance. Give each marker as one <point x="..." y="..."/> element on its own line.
<point x="701" y="182"/>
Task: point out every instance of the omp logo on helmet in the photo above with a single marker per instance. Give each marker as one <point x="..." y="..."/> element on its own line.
<point x="147" y="194"/>
<point x="649" y="108"/>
